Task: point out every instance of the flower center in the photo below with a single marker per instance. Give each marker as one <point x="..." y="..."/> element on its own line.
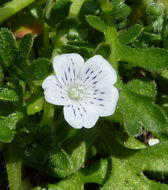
<point x="76" y="92"/>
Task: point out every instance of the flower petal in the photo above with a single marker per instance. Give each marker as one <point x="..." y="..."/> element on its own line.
<point x="78" y="115"/>
<point x="98" y="70"/>
<point x="67" y="67"/>
<point x="104" y="99"/>
<point x="54" y="92"/>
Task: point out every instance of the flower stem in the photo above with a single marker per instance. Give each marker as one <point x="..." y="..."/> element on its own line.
<point x="13" y="166"/>
<point x="12" y="8"/>
<point x="48" y="114"/>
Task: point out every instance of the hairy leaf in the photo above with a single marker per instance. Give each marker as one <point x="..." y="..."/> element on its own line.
<point x="8" y="49"/>
<point x="39" y="69"/>
<point x="128" y="36"/>
<point x="153" y="59"/>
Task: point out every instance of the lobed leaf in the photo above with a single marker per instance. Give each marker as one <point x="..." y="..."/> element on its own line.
<point x="128" y="165"/>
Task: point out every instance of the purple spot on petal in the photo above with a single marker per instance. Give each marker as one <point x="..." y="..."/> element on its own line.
<point x="94" y="77"/>
<point x="81" y="115"/>
<point x="62" y="97"/>
<point x="96" y="90"/>
<point x="91" y="72"/>
<point x="68" y="69"/>
<point x="78" y="108"/>
<point x="101" y="104"/>
<point x="95" y="82"/>
<point x="72" y="61"/>
<point x="65" y="75"/>
<point x="87" y="71"/>
<point x="74" y="112"/>
<point x="63" y="80"/>
<point x="74" y="72"/>
<point x="100" y="99"/>
<point x="91" y="102"/>
<point x="102" y="92"/>
<point x="100" y="71"/>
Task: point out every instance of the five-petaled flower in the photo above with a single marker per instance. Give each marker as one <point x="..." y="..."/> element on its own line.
<point x="85" y="89"/>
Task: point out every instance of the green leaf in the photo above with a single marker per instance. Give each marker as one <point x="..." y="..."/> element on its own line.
<point x="24" y="49"/>
<point x="128" y="36"/>
<point x="153" y="59"/>
<point x="57" y="12"/>
<point x="8" y="49"/>
<point x="96" y="173"/>
<point x="121" y="10"/>
<point x="60" y="162"/>
<point x="143" y="88"/>
<point x="96" y="23"/>
<point x="140" y="111"/>
<point x="8" y="94"/>
<point x="35" y="104"/>
<point x="103" y="49"/>
<point x="39" y="69"/>
<point x="6" y="134"/>
<point x="8" y="125"/>
<point x="128" y="165"/>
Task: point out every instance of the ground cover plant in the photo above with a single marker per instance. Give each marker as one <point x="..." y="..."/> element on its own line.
<point x="40" y="148"/>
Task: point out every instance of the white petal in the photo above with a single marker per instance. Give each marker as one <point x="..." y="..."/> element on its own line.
<point x="67" y="67"/>
<point x="153" y="141"/>
<point x="78" y="115"/>
<point x="54" y="92"/>
<point x="98" y="71"/>
<point x="104" y="99"/>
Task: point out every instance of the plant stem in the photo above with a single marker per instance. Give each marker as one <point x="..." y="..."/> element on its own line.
<point x="13" y="166"/>
<point x="112" y="39"/>
<point x="12" y="8"/>
<point x="48" y="114"/>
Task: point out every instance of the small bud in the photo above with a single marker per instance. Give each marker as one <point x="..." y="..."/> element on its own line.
<point x="155" y="9"/>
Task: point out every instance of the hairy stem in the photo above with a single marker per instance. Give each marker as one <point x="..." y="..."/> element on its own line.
<point x="13" y="166"/>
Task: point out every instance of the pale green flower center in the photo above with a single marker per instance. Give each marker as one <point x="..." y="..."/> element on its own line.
<point x="76" y="92"/>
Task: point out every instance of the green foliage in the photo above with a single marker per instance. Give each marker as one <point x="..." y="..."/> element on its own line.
<point x="152" y="59"/>
<point x="39" y="69"/>
<point x="114" y="154"/>
<point x="128" y="36"/>
<point x="8" y="125"/>
<point x="35" y="104"/>
<point x="57" y="11"/>
<point x="7" y="94"/>
<point x="128" y="165"/>
<point x="24" y="49"/>
<point x="8" y="50"/>
<point x="103" y="49"/>
<point x="96" y="23"/>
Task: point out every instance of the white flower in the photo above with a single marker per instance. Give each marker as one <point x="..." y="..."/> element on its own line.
<point x="85" y="89"/>
<point x="153" y="141"/>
